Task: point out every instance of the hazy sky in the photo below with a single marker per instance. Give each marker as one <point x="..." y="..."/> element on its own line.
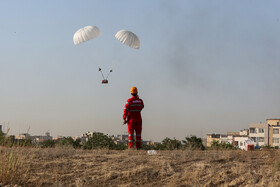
<point x="203" y="66"/>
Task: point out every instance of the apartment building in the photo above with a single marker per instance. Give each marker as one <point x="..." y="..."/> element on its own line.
<point x="274" y="136"/>
<point x="226" y="139"/>
<point x="237" y="139"/>
<point x="274" y="132"/>
<point x="240" y="141"/>
<point x="259" y="133"/>
<point x="244" y="132"/>
<point x="212" y="137"/>
<point x="273" y="121"/>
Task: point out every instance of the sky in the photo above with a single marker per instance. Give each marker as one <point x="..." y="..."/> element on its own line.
<point x="203" y="66"/>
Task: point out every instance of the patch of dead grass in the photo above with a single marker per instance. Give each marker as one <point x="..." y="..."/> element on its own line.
<point x="70" y="167"/>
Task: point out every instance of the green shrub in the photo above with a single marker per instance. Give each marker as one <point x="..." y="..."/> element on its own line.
<point x="169" y="144"/>
<point x="48" y="143"/>
<point x="68" y="142"/>
<point x="193" y="143"/>
<point x="217" y="146"/>
<point x="99" y="140"/>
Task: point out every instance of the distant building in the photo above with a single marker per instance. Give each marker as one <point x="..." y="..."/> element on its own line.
<point x="259" y="133"/>
<point x="213" y="137"/>
<point x="84" y="137"/>
<point x="233" y="133"/>
<point x="148" y="142"/>
<point x="273" y="122"/>
<point x="240" y="141"/>
<point x="122" y="137"/>
<point x="23" y="136"/>
<point x="274" y="134"/>
<point x="59" y="137"/>
<point x="40" y="139"/>
<point x="244" y="132"/>
<point x="34" y="139"/>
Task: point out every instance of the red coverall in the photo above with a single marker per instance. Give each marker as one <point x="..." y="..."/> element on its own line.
<point x="132" y="114"/>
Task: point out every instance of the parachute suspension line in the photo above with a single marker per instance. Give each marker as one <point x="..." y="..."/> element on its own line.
<point x="111" y="70"/>
<point x="101" y="73"/>
<point x="99" y="69"/>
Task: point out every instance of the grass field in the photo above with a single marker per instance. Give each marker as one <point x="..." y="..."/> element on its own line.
<point x="70" y="167"/>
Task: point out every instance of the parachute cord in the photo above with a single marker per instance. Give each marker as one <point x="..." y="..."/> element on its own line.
<point x="109" y="73"/>
<point x="111" y="70"/>
<point x="99" y="69"/>
<point x="101" y="73"/>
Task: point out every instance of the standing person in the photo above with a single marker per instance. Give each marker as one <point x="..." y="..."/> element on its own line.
<point x="132" y="116"/>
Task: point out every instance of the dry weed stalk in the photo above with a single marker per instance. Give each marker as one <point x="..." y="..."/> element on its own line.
<point x="12" y="168"/>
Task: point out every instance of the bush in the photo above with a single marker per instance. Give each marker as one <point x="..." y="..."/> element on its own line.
<point x="23" y="143"/>
<point x="148" y="147"/>
<point x="216" y="145"/>
<point x="2" y="138"/>
<point x="48" y="143"/>
<point x="68" y="142"/>
<point x="120" y="146"/>
<point x="169" y="144"/>
<point x="99" y="140"/>
<point x="193" y="143"/>
<point x="267" y="147"/>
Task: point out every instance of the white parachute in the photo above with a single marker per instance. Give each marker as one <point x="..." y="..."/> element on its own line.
<point x="128" y="38"/>
<point x="89" y="32"/>
<point x="85" y="34"/>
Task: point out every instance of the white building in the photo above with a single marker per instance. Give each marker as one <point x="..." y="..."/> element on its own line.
<point x="259" y="133"/>
<point x="23" y="136"/>
<point x="244" y="132"/>
<point x="240" y="141"/>
<point x="226" y="139"/>
<point x="84" y="137"/>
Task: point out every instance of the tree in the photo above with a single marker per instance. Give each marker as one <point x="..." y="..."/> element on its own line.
<point x="68" y="142"/>
<point x="120" y="146"/>
<point x="48" y="143"/>
<point x="23" y="143"/>
<point x="193" y="142"/>
<point x="169" y="144"/>
<point x="223" y="145"/>
<point x="99" y="140"/>
<point x="2" y="138"/>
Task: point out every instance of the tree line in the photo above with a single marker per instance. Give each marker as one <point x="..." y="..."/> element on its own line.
<point x="102" y="141"/>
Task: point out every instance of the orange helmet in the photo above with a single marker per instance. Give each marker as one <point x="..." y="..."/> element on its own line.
<point x="133" y="90"/>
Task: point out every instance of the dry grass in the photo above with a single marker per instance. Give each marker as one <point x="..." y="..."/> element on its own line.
<point x="12" y="168"/>
<point x="69" y="167"/>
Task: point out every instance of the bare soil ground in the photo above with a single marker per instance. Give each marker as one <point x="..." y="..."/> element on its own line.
<point x="69" y="167"/>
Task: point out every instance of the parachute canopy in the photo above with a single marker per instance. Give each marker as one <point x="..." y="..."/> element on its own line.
<point x="128" y="38"/>
<point x="85" y="34"/>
